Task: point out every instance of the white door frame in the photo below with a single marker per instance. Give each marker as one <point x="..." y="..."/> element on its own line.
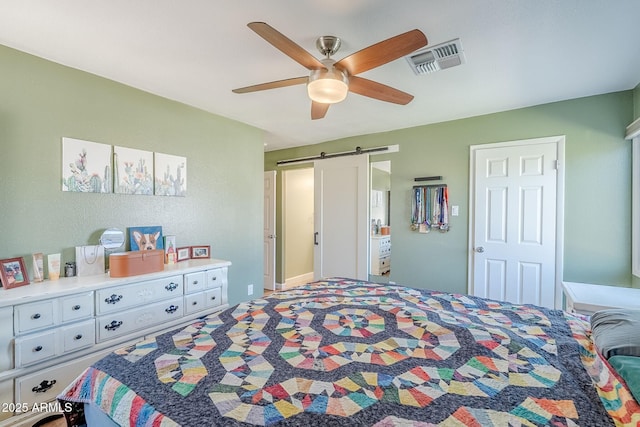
<point x="560" y="144"/>
<point x="269" y="227"/>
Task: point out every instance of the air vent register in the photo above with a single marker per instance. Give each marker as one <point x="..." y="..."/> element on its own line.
<point x="435" y="58"/>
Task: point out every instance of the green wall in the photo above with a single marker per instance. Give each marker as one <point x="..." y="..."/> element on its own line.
<point x="597" y="186"/>
<point x="636" y="102"/>
<point x="41" y="102"/>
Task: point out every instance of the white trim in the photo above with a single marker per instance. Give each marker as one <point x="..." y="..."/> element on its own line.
<point x="271" y="175"/>
<point x="560" y="183"/>
<point x="635" y="206"/>
<point x="633" y="130"/>
<point x="291" y="282"/>
<point x="560" y="221"/>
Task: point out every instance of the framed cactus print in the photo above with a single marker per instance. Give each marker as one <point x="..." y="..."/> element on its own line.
<point x="170" y="175"/>
<point x="133" y="171"/>
<point x="86" y="166"/>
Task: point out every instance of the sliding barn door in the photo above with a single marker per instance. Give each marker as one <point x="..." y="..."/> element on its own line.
<point x="341" y="217"/>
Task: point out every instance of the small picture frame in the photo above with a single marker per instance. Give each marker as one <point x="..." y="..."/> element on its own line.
<point x="183" y="253"/>
<point x="13" y="273"/>
<point x="200" y="252"/>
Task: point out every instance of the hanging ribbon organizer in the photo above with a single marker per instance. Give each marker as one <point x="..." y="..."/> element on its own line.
<point x="430" y="208"/>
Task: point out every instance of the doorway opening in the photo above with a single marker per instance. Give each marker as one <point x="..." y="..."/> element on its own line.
<point x="298" y="227"/>
<point x="380" y="216"/>
<point x="299" y="233"/>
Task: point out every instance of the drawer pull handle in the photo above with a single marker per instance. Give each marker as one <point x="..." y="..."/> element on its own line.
<point x="37" y="348"/>
<point x="113" y="325"/>
<point x="213" y="297"/>
<point x="44" y="386"/>
<point x="214" y="278"/>
<point x="194" y="303"/>
<point x="195" y="282"/>
<point x="113" y="299"/>
<point x="172" y="309"/>
<point x="76" y="307"/>
<point x="78" y="337"/>
<point x="171" y="287"/>
<point x="36" y="316"/>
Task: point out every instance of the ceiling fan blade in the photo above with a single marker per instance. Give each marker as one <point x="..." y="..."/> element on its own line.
<point x="272" y="85"/>
<point x="383" y="52"/>
<point x="318" y="110"/>
<point x="285" y="45"/>
<point x="378" y="91"/>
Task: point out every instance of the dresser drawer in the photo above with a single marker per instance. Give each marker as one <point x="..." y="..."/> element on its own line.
<point x="213" y="297"/>
<point x="216" y="277"/>
<point x="194" y="282"/>
<point x="78" y="335"/>
<point x="34" y="316"/>
<point x="118" y="324"/>
<point x="120" y="297"/>
<point x="385" y="263"/>
<point x="46" y="384"/>
<point x="194" y="303"/>
<point x="76" y="307"/>
<point x="36" y="347"/>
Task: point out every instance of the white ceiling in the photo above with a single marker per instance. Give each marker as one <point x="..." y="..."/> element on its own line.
<point x="518" y="53"/>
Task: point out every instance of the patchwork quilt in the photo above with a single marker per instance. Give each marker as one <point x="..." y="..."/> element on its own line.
<point x="342" y="352"/>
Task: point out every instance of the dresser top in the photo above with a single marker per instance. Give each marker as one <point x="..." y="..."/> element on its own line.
<point x="591" y="298"/>
<point x="37" y="291"/>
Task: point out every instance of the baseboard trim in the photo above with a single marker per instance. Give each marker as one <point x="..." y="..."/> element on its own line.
<point x="295" y="281"/>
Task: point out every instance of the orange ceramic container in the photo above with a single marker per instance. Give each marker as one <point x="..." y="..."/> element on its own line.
<point x="125" y="264"/>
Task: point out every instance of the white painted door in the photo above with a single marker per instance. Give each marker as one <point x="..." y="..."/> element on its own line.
<point x="341" y="217"/>
<point x="270" y="230"/>
<point x="513" y="222"/>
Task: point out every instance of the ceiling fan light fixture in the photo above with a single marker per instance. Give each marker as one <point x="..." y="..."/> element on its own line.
<point x="328" y="86"/>
<point x="330" y="81"/>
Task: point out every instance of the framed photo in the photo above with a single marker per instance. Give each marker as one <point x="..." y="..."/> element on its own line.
<point x="13" y="273"/>
<point x="200" y="252"/>
<point x="146" y="238"/>
<point x="183" y="253"/>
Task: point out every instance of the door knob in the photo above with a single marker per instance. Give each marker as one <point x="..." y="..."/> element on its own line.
<point x="479" y="249"/>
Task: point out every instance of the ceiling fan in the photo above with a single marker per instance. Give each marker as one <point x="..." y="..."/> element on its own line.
<point x="329" y="81"/>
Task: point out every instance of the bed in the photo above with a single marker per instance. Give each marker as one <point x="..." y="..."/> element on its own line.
<point x="343" y="352"/>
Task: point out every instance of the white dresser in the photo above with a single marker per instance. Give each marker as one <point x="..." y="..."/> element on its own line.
<point x="585" y="298"/>
<point x="380" y="254"/>
<point x="53" y="330"/>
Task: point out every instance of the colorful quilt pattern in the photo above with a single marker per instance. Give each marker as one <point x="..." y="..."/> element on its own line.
<point x="342" y="352"/>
